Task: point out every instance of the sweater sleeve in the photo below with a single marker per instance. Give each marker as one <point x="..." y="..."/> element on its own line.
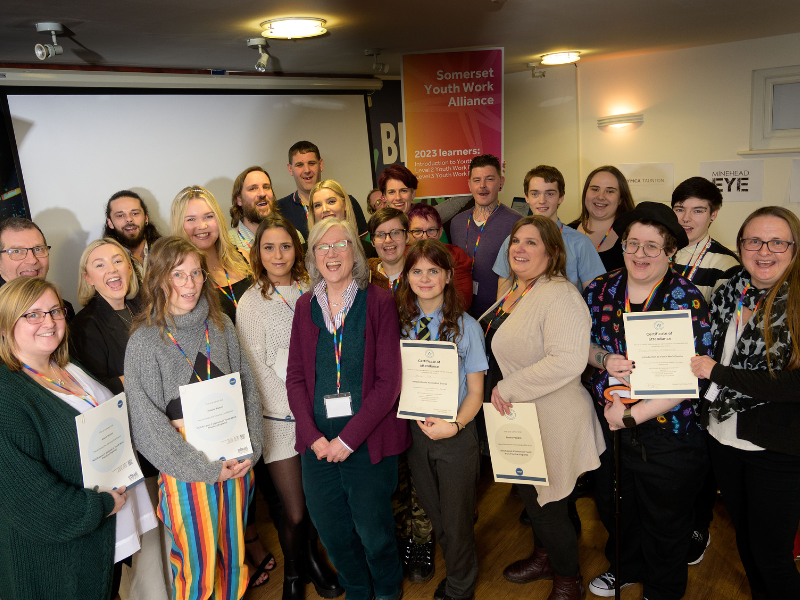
<point x="252" y="405"/>
<point x="382" y="397"/>
<point x="33" y="499"/>
<point x="153" y="435"/>
<point x="302" y="406"/>
<point x="462" y="278"/>
<point x="565" y="337"/>
<point x="89" y="344"/>
<point x="762" y="385"/>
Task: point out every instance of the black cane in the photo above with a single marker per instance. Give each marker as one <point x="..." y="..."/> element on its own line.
<point x="616" y="514"/>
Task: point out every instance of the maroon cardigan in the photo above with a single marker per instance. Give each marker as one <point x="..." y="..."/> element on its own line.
<point x="376" y="421"/>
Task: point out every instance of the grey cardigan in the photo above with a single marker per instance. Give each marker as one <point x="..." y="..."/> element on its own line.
<point x="155" y="369"/>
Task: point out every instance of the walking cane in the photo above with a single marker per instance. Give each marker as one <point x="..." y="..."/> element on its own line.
<point x="616" y="515"/>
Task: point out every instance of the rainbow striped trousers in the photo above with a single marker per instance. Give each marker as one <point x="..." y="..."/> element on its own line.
<point x="207" y="524"/>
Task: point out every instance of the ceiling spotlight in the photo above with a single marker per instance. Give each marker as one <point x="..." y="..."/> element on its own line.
<point x="377" y="66"/>
<point x="560" y="58"/>
<point x="536" y="72"/>
<point x="261" y="63"/>
<point x="289" y="28"/>
<point x="44" y="51"/>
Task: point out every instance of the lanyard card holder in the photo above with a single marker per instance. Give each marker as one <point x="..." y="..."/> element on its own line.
<point x="338" y="405"/>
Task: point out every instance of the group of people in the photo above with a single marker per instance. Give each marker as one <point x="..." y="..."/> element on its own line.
<point x="308" y="301"/>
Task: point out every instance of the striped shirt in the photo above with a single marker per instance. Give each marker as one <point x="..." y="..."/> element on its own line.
<point x="321" y="294"/>
<point x="716" y="266"/>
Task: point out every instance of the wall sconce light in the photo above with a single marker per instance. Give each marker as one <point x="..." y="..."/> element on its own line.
<point x="621" y="120"/>
<point x="44" y="51"/>
<point x="288" y="28"/>
<point x="259" y="43"/>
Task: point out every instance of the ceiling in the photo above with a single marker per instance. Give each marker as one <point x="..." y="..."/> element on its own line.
<point x="209" y="34"/>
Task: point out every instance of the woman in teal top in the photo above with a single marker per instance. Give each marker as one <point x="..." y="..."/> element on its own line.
<point x="444" y="456"/>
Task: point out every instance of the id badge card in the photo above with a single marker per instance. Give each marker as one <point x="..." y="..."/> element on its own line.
<point x="338" y="405"/>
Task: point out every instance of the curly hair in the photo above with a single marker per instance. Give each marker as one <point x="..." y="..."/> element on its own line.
<point x="260" y="275"/>
<point x="436" y="253"/>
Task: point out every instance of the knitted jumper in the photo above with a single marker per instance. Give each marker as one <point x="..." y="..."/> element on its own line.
<point x="55" y="539"/>
<point x="155" y="369"/>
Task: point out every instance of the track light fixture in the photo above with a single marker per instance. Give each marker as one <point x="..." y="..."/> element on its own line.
<point x="44" y="51"/>
<point x="259" y="43"/>
<point x="377" y="66"/>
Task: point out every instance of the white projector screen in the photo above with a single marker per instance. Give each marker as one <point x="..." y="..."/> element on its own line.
<point x="75" y="151"/>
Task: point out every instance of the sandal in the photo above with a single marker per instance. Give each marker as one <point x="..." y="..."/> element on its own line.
<point x="262" y="568"/>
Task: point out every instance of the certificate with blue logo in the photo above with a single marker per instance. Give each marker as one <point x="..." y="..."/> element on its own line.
<point x="661" y="343"/>
<point x="214" y="418"/>
<point x="515" y="442"/>
<point x="430" y="380"/>
<point x="108" y="459"/>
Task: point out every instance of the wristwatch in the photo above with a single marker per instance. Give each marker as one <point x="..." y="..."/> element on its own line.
<point x="627" y="418"/>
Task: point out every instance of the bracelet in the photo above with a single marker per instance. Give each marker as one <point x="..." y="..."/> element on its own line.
<point x="603" y="362"/>
<point x="459" y="425"/>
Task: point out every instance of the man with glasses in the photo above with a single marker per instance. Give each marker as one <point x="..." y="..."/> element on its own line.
<point x="24" y="253"/>
<point x="544" y="192"/>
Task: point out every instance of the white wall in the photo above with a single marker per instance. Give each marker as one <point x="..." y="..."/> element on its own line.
<point x="696" y="105"/>
<point x="77" y="150"/>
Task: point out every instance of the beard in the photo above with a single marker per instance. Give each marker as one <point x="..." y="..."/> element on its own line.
<point x="130" y="242"/>
<point x="250" y="212"/>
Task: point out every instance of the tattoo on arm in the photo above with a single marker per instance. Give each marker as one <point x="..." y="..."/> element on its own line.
<point x="599" y="358"/>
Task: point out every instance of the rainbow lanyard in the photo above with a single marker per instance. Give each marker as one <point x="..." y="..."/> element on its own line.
<point x="700" y="257"/>
<point x="478" y="241"/>
<point x="337" y="350"/>
<point x="208" y="354"/>
<point x="503" y="301"/>
<point x="604" y="237"/>
<point x="297" y="283"/>
<point x="396" y="283"/>
<point x="561" y="229"/>
<point x="647" y="302"/>
<point x="739" y="307"/>
<point x="249" y="245"/>
<point x="88" y="398"/>
<point x="231" y="296"/>
<point x="305" y="208"/>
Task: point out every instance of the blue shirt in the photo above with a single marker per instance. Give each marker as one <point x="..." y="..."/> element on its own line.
<point x="470" y="345"/>
<point x="583" y="261"/>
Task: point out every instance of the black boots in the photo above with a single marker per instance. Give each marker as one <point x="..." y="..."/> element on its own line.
<point x="319" y="573"/>
<point x="294" y="588"/>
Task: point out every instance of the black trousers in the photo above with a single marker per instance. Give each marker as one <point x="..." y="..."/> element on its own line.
<point x="661" y="473"/>
<point x="446" y="475"/>
<point x="761" y="491"/>
<point x="553" y="531"/>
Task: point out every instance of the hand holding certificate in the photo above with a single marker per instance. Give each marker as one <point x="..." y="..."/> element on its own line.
<point x="430" y="380"/>
<point x="108" y="460"/>
<point x="214" y="418"/>
<point x="515" y="443"/>
<point x="662" y="346"/>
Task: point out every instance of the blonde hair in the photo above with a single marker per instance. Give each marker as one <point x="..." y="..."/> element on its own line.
<point x="16" y="297"/>
<point x="360" y="265"/>
<point x="86" y="291"/>
<point x="229" y="257"/>
<point x="336" y="188"/>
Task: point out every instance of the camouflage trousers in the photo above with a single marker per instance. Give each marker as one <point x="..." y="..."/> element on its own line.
<point x="409" y="518"/>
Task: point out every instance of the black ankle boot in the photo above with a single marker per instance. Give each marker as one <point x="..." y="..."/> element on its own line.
<point x="294" y="588"/>
<point x="320" y="574"/>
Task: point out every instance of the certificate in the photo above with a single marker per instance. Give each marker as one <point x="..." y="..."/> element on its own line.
<point x="430" y="380"/>
<point x="214" y="418"/>
<point x="662" y="345"/>
<point x="108" y="460"/>
<point x="515" y="443"/>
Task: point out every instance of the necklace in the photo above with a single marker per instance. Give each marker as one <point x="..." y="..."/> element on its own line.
<point x="124" y="320"/>
<point x="56" y="378"/>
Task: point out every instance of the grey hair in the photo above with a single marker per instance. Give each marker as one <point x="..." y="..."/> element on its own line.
<point x="360" y="266"/>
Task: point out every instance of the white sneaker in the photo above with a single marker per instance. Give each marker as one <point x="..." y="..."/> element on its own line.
<point x="603" y="585"/>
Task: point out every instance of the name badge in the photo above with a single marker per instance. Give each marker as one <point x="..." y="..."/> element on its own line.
<point x="712" y="392"/>
<point x="474" y="288"/>
<point x="338" y="405"/>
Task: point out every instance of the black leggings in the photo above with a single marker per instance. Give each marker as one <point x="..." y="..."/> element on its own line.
<point x="553" y="531"/>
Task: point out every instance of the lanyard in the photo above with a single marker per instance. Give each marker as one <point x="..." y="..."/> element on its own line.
<point x="231" y="296"/>
<point x="693" y="269"/>
<point x="739" y="307"/>
<point x="561" y="229"/>
<point x="88" y="398"/>
<point x="337" y="351"/>
<point x="604" y="237"/>
<point x="208" y="354"/>
<point x="297" y="283"/>
<point x="396" y="283"/>
<point x="647" y="302"/>
<point x="478" y="241"/>
<point x="298" y="200"/>
<point x="500" y="310"/>
<point x="239" y="233"/>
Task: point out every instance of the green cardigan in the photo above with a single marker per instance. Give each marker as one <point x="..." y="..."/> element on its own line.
<point x="55" y="539"/>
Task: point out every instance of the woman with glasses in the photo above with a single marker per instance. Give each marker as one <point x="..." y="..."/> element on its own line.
<point x="425" y="222"/>
<point x="388" y="230"/>
<point x="328" y="199"/>
<point x="57" y="538"/>
<point x="108" y="291"/>
<point x="343" y="382"/>
<point x="663" y="449"/>
<point x="182" y="338"/>
<point x="751" y="407"/>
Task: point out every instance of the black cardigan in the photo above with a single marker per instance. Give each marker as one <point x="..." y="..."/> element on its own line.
<point x="98" y="338"/>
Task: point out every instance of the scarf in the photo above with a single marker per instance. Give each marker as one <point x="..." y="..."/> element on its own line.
<point x="751" y="350"/>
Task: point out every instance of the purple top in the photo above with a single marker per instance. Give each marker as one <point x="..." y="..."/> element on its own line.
<point x="496" y="230"/>
<point x="376" y="422"/>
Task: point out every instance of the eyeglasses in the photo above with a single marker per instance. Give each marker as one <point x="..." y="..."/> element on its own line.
<point x="338" y="247"/>
<point x="776" y="246"/>
<point x="37" y="316"/>
<point x="395" y="234"/>
<point x="650" y="250"/>
<point x="179" y="278"/>
<point x="433" y="232"/>
<point x="21" y="253"/>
